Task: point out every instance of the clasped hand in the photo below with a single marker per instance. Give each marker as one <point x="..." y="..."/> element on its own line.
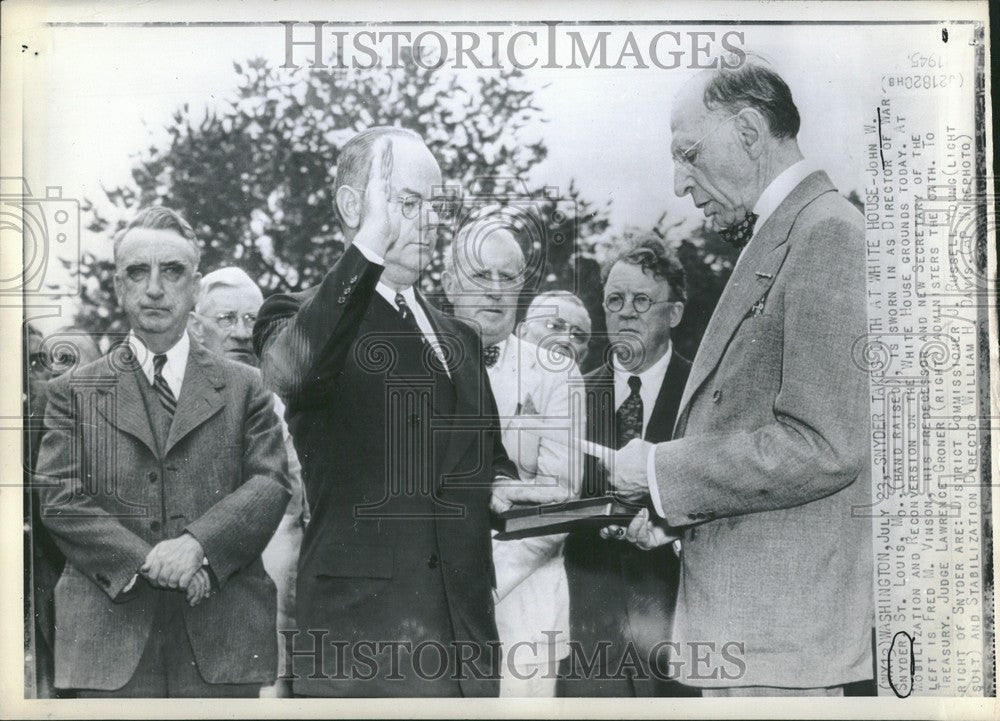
<point x="177" y="563"/>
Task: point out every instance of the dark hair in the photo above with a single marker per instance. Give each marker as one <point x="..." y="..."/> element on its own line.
<point x="754" y="86"/>
<point x="649" y="253"/>
<point x="159" y="218"/>
<point x="355" y="158"/>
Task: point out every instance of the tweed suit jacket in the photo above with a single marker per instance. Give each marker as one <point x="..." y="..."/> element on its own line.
<point x="109" y="494"/>
<point x="769" y="473"/>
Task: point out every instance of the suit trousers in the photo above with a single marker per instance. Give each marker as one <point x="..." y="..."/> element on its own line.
<point x="167" y="668"/>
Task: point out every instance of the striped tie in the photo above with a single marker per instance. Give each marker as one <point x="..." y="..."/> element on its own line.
<point x="160" y="384"/>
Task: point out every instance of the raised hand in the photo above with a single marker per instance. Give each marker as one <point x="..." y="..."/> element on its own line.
<point x="379" y="225"/>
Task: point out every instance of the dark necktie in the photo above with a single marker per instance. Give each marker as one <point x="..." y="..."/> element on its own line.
<point x="404" y="309"/>
<point x="739" y="234"/>
<point x="406" y="313"/>
<point x="491" y="355"/>
<point x="160" y="384"/>
<point x="628" y="417"/>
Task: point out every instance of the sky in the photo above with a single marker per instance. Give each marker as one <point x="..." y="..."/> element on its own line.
<point x="95" y="97"/>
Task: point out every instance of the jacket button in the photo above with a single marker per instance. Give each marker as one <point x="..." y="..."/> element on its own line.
<point x="154" y="525"/>
<point x="342" y="299"/>
<point x="716" y="395"/>
<point x="152" y="477"/>
<point x="354" y="279"/>
<point x="433" y="561"/>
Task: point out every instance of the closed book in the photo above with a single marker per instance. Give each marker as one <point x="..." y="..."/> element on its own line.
<point x="523" y="521"/>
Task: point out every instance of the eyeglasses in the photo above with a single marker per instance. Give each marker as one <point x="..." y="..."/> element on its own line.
<point x="640" y="301"/>
<point x="689" y="156"/>
<point x="576" y="334"/>
<point x="228" y="320"/>
<point x="410" y="205"/>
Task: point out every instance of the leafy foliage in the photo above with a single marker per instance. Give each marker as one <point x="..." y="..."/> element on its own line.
<point x="254" y="177"/>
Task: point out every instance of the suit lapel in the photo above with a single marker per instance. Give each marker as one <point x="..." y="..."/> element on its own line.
<point x="661" y="420"/>
<point x="120" y="380"/>
<point x="468" y="386"/>
<point x="753" y="277"/>
<point x="200" y="398"/>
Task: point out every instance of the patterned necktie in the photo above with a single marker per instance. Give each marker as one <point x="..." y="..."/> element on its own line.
<point x="404" y="309"/>
<point x="628" y="417"/>
<point x="160" y="384"/>
<point x="739" y="235"/>
<point x="491" y="355"/>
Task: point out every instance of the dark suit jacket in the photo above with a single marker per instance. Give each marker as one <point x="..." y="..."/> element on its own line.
<point x="110" y="495"/>
<point x="398" y="462"/>
<point x="619" y="593"/>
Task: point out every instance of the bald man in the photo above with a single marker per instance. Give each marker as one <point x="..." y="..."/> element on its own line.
<point x="483" y="277"/>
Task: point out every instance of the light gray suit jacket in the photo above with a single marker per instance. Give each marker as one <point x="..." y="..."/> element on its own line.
<point x="769" y="472"/>
<point x="111" y="494"/>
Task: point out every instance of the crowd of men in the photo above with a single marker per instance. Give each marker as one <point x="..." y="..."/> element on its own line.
<point x="301" y="495"/>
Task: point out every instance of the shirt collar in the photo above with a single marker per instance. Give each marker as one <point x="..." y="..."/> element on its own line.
<point x="779" y="189"/>
<point x="653" y="376"/>
<point x="173" y="369"/>
<point x="390" y="294"/>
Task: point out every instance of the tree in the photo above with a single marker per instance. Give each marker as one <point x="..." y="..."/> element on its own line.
<point x="254" y="177"/>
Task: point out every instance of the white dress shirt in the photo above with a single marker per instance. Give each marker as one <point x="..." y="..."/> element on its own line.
<point x="423" y="322"/>
<point x="774" y="195"/>
<point x="173" y="369"/>
<point x="651" y="380"/>
<point x="173" y="374"/>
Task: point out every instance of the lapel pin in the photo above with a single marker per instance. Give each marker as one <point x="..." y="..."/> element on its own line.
<point x="762" y="274"/>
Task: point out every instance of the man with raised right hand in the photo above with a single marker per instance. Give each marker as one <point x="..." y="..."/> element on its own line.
<point x="397" y="432"/>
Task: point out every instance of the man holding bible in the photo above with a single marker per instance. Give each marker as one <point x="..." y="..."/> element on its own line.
<point x="767" y="480"/>
<point x="483" y="277"/>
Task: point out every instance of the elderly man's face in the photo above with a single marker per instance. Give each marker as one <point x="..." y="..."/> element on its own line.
<point x="415" y="175"/>
<point x="710" y="164"/>
<point x="156" y="280"/>
<point x="560" y="324"/>
<point x="225" y="322"/>
<point x="644" y="336"/>
<point x="485" y="283"/>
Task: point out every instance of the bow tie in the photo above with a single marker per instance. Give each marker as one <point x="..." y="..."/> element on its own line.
<point x="739" y="234"/>
<point x="491" y="355"/>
